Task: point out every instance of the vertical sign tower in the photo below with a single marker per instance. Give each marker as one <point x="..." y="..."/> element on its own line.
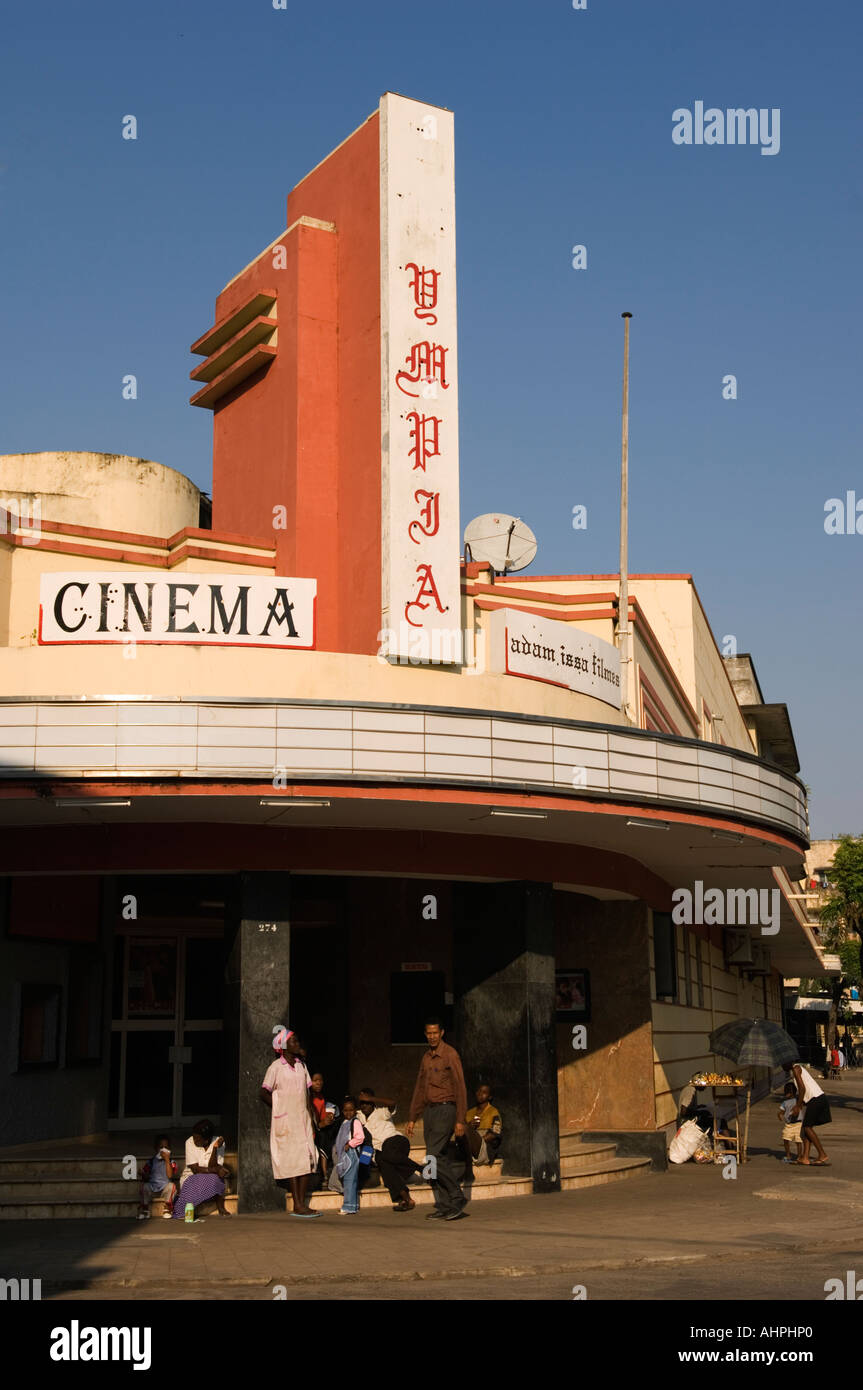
<point x="420" y="580"/>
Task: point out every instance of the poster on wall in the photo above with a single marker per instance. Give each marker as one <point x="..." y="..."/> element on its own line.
<point x="572" y="996"/>
<point x="152" y="984"/>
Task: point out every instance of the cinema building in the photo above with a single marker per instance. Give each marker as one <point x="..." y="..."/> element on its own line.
<point x="291" y="759"/>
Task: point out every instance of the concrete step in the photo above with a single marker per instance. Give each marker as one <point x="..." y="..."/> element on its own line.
<point x="80" y="1166"/>
<point x="609" y="1170"/>
<point x="421" y="1194"/>
<point x="568" y="1142"/>
<point x="574" y="1157"/>
<point x="592" y="1172"/>
<point x="47" y="1209"/>
<point x="72" y="1208"/>
<point x="66" y="1188"/>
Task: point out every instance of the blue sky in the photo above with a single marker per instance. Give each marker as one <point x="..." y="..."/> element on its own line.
<point x="730" y="261"/>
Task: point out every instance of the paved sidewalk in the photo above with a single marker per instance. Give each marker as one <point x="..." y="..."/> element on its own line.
<point x="689" y="1214"/>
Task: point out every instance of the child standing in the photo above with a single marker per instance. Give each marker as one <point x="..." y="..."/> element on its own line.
<point x="346" y="1156"/>
<point x="159" y="1174"/>
<point x="791" y="1129"/>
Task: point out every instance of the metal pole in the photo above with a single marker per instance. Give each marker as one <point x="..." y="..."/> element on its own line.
<point x="624" y="636"/>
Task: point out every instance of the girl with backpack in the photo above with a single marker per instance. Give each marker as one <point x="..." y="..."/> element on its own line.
<point x="348" y="1154"/>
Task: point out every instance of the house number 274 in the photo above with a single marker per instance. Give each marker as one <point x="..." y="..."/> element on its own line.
<point x="268" y="926"/>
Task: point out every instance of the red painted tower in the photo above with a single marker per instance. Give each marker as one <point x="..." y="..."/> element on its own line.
<point x="331" y="373"/>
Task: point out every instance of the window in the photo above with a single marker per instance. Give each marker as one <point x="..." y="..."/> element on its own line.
<point x="699" y="974"/>
<point x="414" y="997"/>
<point x="665" y="956"/>
<point x="687" y="965"/>
<point x="84" y="1014"/>
<point x="39" y="1025"/>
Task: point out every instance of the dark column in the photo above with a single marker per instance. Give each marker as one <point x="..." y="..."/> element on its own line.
<point x="503" y="974"/>
<point x="258" y="989"/>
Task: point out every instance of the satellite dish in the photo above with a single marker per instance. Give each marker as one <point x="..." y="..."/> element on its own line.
<point x="501" y="541"/>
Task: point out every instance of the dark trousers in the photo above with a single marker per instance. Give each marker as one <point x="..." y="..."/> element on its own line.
<point x="438" y="1121"/>
<point x="395" y="1164"/>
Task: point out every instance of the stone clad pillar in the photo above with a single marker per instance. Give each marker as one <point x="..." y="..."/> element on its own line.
<point x="258" y="983"/>
<point x="503" y="976"/>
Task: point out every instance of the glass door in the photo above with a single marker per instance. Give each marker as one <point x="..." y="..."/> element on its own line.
<point x="166" y="1029"/>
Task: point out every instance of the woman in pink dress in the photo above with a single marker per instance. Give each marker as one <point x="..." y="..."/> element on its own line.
<point x="285" y="1089"/>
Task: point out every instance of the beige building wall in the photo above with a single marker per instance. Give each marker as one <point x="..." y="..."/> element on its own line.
<point x="135" y="495"/>
<point x="681" y="1030"/>
<point x="714" y="688"/>
<point x="672" y="608"/>
<point x="112" y="492"/>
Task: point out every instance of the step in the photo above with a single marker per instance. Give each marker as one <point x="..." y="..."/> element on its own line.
<point x="58" y="1169"/>
<point x="591" y="1174"/>
<point x="573" y="1157"/>
<point x="609" y="1170"/>
<point x="53" y="1209"/>
<point x="66" y="1188"/>
<point x="422" y="1195"/>
<point x="569" y="1143"/>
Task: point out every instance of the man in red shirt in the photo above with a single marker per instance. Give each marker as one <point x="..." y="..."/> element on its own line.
<point x="441" y="1098"/>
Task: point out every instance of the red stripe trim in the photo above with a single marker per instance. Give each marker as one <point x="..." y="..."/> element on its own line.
<point x="658" y="710"/>
<point x="198" y="552"/>
<point x="66" y="528"/>
<point x="570" y="615"/>
<point x="651" y="642"/>
<point x="150" y="561"/>
<point x="539" y="596"/>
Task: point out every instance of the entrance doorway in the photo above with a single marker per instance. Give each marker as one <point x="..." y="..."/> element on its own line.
<point x="167" y="1011"/>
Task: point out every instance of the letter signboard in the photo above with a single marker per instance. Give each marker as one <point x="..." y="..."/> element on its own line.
<point x="221" y="610"/>
<point x="543" y="649"/>
<point x="420" y="576"/>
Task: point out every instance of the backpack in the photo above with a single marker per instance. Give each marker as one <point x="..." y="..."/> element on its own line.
<point x="367" y="1148"/>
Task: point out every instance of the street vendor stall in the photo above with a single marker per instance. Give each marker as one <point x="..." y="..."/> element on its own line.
<point x="750" y="1042"/>
<point x="728" y="1085"/>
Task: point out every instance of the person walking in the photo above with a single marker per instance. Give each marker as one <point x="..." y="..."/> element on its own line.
<point x="440" y="1097"/>
<point x="812" y="1108"/>
<point x="285" y="1089"/>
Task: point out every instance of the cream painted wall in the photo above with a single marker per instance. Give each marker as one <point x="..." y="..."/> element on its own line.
<point x="672" y="609"/>
<point x="680" y="1031"/>
<point x="646" y="663"/>
<point x="28" y="564"/>
<point x="113" y="492"/>
<point x="6" y="557"/>
<point x="665" y="602"/>
<point x="714" y="687"/>
<point x="246" y="673"/>
<point x="29" y="670"/>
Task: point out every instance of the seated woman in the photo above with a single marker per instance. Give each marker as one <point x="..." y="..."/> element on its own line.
<point x="203" y="1177"/>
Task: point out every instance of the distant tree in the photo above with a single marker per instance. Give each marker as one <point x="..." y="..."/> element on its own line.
<point x="842" y="917"/>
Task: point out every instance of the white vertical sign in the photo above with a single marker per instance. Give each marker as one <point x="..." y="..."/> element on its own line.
<point x="420" y="578"/>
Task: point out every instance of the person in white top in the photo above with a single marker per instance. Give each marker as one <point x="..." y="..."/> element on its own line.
<point x="392" y="1149"/>
<point x="813" y="1108"/>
